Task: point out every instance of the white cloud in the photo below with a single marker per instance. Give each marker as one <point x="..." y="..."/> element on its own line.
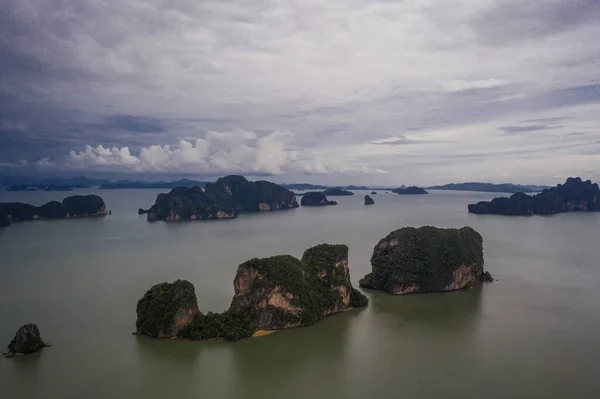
<point x="235" y="151"/>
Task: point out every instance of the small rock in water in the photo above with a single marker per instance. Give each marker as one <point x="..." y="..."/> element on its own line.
<point x="26" y="340"/>
<point x="487" y="277"/>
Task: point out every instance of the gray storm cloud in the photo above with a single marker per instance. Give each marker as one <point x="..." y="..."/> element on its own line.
<point x="330" y="89"/>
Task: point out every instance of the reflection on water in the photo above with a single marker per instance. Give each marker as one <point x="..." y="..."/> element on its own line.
<point x="293" y="361"/>
<point x="439" y="309"/>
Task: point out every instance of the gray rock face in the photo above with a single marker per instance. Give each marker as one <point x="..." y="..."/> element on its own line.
<point x="166" y="309"/>
<point x="26" y="340"/>
<point x="369" y="200"/>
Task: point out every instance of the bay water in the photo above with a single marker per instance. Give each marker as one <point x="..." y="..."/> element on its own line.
<point x="533" y="333"/>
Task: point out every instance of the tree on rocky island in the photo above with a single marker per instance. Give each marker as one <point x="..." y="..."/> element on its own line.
<point x="75" y="206"/>
<point x="412" y="190"/>
<point x="270" y="293"/>
<point x="426" y="259"/>
<point x="574" y="195"/>
<point x="315" y="198"/>
<point x="224" y="199"/>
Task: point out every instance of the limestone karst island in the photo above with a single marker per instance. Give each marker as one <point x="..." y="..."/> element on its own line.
<point x="270" y="294"/>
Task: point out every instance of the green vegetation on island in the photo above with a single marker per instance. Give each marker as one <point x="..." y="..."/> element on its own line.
<point x="270" y="293"/>
<point x="223" y="199"/>
<point x="315" y="198"/>
<point x="75" y="206"/>
<point x="248" y="196"/>
<point x="573" y="196"/>
<point x="337" y="192"/>
<point x="412" y="190"/>
<point x="426" y="259"/>
<point x="183" y="203"/>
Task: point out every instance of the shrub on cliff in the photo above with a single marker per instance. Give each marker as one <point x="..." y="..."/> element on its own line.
<point x="229" y="326"/>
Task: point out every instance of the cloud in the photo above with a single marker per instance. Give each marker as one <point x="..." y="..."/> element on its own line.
<point x="235" y="151"/>
<point x="524" y="129"/>
<point x="134" y="87"/>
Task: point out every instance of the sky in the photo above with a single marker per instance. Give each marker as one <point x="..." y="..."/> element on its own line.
<point x="350" y="92"/>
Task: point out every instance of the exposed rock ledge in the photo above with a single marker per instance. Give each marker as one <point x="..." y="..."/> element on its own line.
<point x="427" y="259"/>
<point x="270" y="294"/>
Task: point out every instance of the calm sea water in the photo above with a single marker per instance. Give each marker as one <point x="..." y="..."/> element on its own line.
<point x="534" y="333"/>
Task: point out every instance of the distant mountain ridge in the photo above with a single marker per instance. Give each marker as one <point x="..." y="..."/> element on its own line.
<point x="73" y="182"/>
<point x="490" y="187"/>
<point x="152" y="184"/>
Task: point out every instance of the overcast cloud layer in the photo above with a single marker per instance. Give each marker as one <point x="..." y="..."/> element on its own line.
<point x="373" y="91"/>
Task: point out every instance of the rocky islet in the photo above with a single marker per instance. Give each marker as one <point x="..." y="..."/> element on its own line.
<point x="269" y="294"/>
<point x="315" y="198"/>
<point x="75" y="206"/>
<point x="426" y="259"/>
<point x="27" y="340"/>
<point x="574" y="195"/>
<point x="224" y="199"/>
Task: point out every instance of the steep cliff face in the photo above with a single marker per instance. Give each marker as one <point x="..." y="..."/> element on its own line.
<point x="314" y="198"/>
<point x="247" y="196"/>
<point x="283" y="291"/>
<point x="183" y="203"/>
<point x="426" y="259"/>
<point x="27" y="340"/>
<point x="166" y="309"/>
<point x="75" y="206"/>
<point x="573" y="196"/>
<point x="270" y="294"/>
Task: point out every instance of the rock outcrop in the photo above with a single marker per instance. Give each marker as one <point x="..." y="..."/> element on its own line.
<point x="183" y="203"/>
<point x="369" y="200"/>
<point x="84" y="205"/>
<point x="426" y="259"/>
<point x="410" y="190"/>
<point x="248" y="196"/>
<point x="142" y="211"/>
<point x="315" y="198"/>
<point x="573" y="196"/>
<point x="373" y="192"/>
<point x="26" y="340"/>
<point x="166" y="309"/>
<point x="224" y="199"/>
<point x="337" y="192"/>
<point x="75" y="206"/>
<point x="283" y="291"/>
<point x="270" y="294"/>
